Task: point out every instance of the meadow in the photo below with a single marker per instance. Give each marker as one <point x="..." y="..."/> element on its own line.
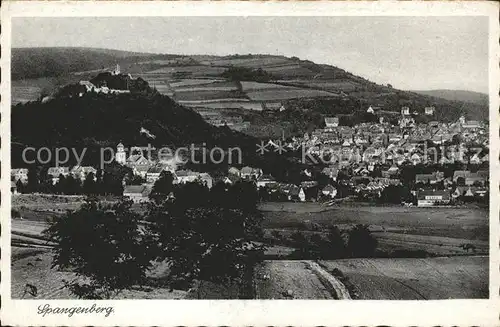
<point x="437" y="231"/>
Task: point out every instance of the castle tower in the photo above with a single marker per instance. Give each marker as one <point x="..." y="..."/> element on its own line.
<point x="121" y="156"/>
<point x="117" y="70"/>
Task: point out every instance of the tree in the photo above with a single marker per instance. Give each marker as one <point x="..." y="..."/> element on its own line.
<point x="204" y="238"/>
<point x="336" y="248"/>
<point x="21" y="188"/>
<point x="72" y="186"/>
<point x="361" y="243"/>
<point x="394" y="194"/>
<point x="33" y="181"/>
<point x="299" y="239"/>
<point x="163" y="186"/>
<point x="103" y="244"/>
<point x="89" y="184"/>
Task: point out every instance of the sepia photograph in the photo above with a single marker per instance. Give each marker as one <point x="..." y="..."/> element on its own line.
<point x="261" y="157"/>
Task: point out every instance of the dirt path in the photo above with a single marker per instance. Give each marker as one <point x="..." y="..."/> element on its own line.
<point x="289" y="279"/>
<point x="331" y="283"/>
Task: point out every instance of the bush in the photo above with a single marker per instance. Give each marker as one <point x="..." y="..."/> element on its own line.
<point x="361" y="243"/>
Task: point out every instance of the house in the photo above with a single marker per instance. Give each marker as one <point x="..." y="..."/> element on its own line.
<point x="370" y="110"/>
<point x="137" y="193"/>
<point x="475" y="159"/>
<point x="429" y="110"/>
<point x="19" y="174"/>
<point x="405" y="111"/>
<point x="429" y="178"/>
<point x="296" y="193"/>
<point x="205" y="179"/>
<point x="234" y="171"/>
<point x="308" y="184"/>
<point x="472" y="124"/>
<point x="185" y="176"/>
<point x="469" y="191"/>
<point x="265" y="180"/>
<point x="329" y="191"/>
<point x="89" y="87"/>
<point x="231" y="179"/>
<point x="273" y="106"/>
<point x="393" y="170"/>
<point x="137" y="160"/>
<point x="55" y="172"/>
<point x="141" y="170"/>
<point x="81" y="172"/>
<point x="430" y="198"/>
<point x="153" y="174"/>
<point x="330" y="172"/>
<point x="475" y="179"/>
<point x="484" y="173"/>
<point x="120" y="156"/>
<point x="331" y="122"/>
<point x="459" y="176"/>
<point x="415" y="158"/>
<point x="250" y="173"/>
<point x="13" y="188"/>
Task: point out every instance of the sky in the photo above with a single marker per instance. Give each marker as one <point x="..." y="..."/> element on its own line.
<point x="411" y="53"/>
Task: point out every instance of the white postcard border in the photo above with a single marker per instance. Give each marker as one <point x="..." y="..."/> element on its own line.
<point x="255" y="312"/>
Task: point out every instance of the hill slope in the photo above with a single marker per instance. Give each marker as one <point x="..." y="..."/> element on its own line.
<point x="48" y="62"/>
<point x="458" y="95"/>
<point x="95" y="121"/>
<point x="241" y="82"/>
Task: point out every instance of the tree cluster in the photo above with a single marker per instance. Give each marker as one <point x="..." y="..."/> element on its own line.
<point x="203" y="235"/>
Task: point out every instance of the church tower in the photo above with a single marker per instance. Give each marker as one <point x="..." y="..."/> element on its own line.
<point x="117" y="70"/>
<point x="120" y="156"/>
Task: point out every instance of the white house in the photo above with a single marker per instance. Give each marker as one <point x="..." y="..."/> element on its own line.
<point x="429" y="110"/>
<point x="331" y="122"/>
<point x="431" y="198"/>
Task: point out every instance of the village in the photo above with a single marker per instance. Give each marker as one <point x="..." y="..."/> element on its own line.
<point x="427" y="164"/>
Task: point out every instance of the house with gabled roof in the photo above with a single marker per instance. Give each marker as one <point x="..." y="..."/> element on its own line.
<point x="428" y="198"/>
<point x="137" y="193"/>
<point x="17" y="174"/>
<point x="81" y="172"/>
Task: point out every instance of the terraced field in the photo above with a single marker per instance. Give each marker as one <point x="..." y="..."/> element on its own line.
<point x="267" y="61"/>
<point x="285" y="94"/>
<point x="226" y="104"/>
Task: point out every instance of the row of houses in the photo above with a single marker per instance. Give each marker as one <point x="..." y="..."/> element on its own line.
<point x="54" y="173"/>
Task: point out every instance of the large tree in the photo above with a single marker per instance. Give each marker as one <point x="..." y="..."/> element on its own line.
<point x="103" y="244"/>
<point x="206" y="238"/>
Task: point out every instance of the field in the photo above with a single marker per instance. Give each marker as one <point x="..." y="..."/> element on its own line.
<point x="25" y="93"/>
<point x="286" y="279"/>
<point x="440" y="231"/>
<point x="415" y="279"/>
<point x="253" y="86"/>
<point x="229" y="104"/>
<point x="192" y="82"/>
<point x="279" y="94"/>
<point x="251" y="62"/>
<point x="374" y="279"/>
<point x="208" y="95"/>
<point x="437" y="231"/>
<point x="33" y="267"/>
<point x="187" y="71"/>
